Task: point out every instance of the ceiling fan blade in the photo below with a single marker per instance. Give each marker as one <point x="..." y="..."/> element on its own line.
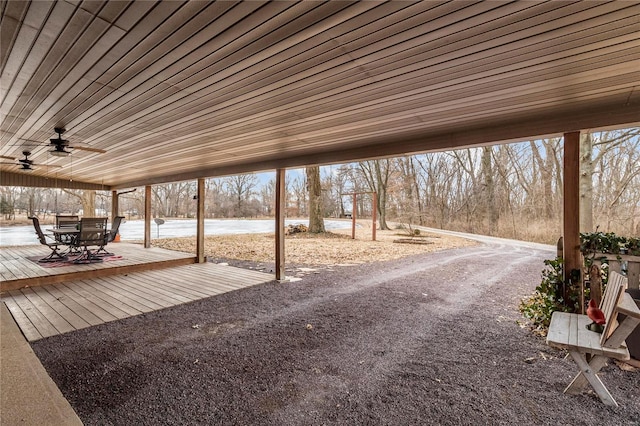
<point x="87" y="148"/>
<point x="46" y="165"/>
<point x="7" y="158"/>
<point x="29" y="165"/>
<point x="28" y="142"/>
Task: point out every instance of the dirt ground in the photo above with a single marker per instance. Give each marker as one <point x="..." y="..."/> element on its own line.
<point x="431" y="338"/>
<point x="332" y="248"/>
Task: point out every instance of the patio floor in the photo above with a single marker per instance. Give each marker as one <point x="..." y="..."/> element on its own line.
<point x="46" y="301"/>
<point x="63" y="307"/>
<point x="17" y="271"/>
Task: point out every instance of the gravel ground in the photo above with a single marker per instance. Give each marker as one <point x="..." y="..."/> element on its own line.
<point x="427" y="339"/>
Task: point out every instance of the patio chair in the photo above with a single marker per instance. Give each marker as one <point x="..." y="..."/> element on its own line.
<point x="93" y="231"/>
<point x="66" y="222"/>
<point x="110" y="236"/>
<point x="55" y="255"/>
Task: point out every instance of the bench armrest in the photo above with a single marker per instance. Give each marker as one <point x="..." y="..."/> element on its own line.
<point x="628" y="307"/>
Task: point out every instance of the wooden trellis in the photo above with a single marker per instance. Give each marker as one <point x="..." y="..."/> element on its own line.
<point x="373" y="213"/>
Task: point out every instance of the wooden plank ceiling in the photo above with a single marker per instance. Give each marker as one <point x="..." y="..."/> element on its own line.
<point x="178" y="90"/>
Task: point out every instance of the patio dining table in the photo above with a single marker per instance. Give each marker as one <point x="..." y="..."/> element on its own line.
<point x="70" y="235"/>
<point x="64" y="235"/>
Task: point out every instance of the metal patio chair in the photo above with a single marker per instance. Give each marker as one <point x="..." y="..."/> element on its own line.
<point x="55" y="254"/>
<point x="110" y="236"/>
<point x="66" y="222"/>
<point x="93" y="232"/>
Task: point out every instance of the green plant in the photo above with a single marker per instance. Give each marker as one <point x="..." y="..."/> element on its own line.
<point x="593" y="244"/>
<point x="633" y="246"/>
<point x="602" y="242"/>
<point x="548" y="296"/>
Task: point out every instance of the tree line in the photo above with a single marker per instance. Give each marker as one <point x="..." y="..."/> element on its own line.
<point x="509" y="190"/>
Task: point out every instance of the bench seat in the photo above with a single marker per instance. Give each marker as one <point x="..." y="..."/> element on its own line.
<point x="569" y="331"/>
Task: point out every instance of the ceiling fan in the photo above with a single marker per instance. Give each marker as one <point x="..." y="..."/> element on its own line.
<point x="60" y="146"/>
<point x="25" y="163"/>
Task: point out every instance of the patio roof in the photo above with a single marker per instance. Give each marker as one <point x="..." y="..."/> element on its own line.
<point x="181" y="90"/>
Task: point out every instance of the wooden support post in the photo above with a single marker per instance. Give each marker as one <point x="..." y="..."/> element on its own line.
<point x="280" y="208"/>
<point x="353" y="217"/>
<point x="147" y="216"/>
<point x="114" y="205"/>
<point x="571" y="210"/>
<point x="200" y="223"/>
<point x="374" y="207"/>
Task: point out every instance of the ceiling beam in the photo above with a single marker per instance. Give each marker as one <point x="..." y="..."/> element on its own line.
<point x="35" y="181"/>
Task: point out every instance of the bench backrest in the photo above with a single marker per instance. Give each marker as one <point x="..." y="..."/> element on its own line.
<point x="613" y="294"/>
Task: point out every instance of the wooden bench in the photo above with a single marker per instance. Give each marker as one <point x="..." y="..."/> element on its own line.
<point x="589" y="349"/>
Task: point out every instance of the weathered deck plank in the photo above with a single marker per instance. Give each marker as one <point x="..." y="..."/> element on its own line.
<point x="17" y="271"/>
<point x="63" y="307"/>
<point x="51" y="314"/>
<point x="35" y="317"/>
<point x="70" y="316"/>
<point x="28" y="329"/>
<point x="80" y="309"/>
<point x="102" y="301"/>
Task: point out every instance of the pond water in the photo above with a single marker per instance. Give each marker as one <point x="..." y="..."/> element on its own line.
<point x="134" y="229"/>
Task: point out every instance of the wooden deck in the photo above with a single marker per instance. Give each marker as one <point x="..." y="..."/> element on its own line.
<point x="17" y="271"/>
<point x="67" y="306"/>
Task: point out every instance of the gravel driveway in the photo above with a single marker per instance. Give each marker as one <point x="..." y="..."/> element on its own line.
<point x="428" y="339"/>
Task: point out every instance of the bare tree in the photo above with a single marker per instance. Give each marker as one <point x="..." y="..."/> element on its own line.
<point x="489" y="190"/>
<point x="297" y="190"/>
<point x="172" y="199"/>
<point x="9" y="198"/>
<point x="548" y="166"/>
<point x="376" y="174"/>
<point x="87" y="198"/>
<point x="316" y="220"/>
<point x="268" y="198"/>
<point x="412" y="205"/>
<point x="240" y="188"/>
<point x="215" y="197"/>
<point x="606" y="147"/>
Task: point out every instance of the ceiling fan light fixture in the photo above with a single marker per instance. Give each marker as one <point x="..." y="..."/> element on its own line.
<point x="59" y="152"/>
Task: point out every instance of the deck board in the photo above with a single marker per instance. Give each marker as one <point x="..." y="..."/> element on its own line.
<point x="127" y="301"/>
<point x="80" y="309"/>
<point x="70" y="316"/>
<point x="17" y="271"/>
<point x="51" y="314"/>
<point x="28" y="329"/>
<point x="161" y="292"/>
<point x="194" y="289"/>
<point x="133" y="290"/>
<point x="101" y="301"/>
<point x="63" y="307"/>
<point x="36" y="318"/>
